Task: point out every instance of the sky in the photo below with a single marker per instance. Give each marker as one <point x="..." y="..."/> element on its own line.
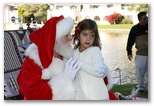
<point x="89" y="103"/>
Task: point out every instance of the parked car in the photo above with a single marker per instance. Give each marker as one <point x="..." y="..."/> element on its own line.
<point x="33" y="24"/>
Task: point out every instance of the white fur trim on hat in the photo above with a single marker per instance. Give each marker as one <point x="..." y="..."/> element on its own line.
<point x="46" y="73"/>
<point x="64" y="27"/>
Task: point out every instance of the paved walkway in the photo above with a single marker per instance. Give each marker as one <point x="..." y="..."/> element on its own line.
<point x="139" y="98"/>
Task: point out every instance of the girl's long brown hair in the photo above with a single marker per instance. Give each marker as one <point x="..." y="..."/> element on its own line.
<point x="86" y="24"/>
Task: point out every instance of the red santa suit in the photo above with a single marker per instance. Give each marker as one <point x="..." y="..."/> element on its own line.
<point x="109" y="84"/>
<point x="38" y="58"/>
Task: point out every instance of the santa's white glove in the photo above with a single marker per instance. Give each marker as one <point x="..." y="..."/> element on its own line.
<point x="72" y="67"/>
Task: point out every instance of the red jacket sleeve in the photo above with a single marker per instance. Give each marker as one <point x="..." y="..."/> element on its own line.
<point x="30" y="83"/>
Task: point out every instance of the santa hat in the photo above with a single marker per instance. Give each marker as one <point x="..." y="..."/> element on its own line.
<point x="45" y="37"/>
<point x="64" y="27"/>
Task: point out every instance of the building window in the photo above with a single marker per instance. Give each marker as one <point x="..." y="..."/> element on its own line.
<point x="109" y="5"/>
<point x="97" y="18"/>
<point x="81" y="7"/>
<point x="123" y="6"/>
<point x="15" y="8"/>
<point x="72" y="7"/>
<point x="94" y="6"/>
<point x="11" y="8"/>
<point x="59" y="7"/>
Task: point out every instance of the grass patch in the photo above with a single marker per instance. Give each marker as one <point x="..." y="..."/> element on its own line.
<point x="126" y="90"/>
<point x="116" y="26"/>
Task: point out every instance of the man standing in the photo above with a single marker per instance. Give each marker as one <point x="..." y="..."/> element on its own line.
<point x="139" y="35"/>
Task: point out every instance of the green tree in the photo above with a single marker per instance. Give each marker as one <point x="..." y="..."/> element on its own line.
<point x="21" y="12"/>
<point x="138" y="7"/>
<point x="33" y="10"/>
<point x="42" y="12"/>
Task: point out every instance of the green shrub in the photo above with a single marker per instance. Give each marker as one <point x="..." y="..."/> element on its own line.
<point x="126" y="21"/>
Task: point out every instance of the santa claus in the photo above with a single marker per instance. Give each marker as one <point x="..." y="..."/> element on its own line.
<point x="40" y="55"/>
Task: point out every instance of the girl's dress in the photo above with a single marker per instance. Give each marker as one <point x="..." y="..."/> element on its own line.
<point x="88" y="85"/>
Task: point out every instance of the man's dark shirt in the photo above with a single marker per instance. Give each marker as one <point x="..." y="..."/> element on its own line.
<point x="135" y="31"/>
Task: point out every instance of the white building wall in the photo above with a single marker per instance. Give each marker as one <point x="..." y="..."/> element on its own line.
<point x="77" y="13"/>
<point x="64" y="10"/>
<point x="9" y="13"/>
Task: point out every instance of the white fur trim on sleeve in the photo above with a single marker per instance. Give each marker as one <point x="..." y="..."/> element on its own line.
<point x="32" y="53"/>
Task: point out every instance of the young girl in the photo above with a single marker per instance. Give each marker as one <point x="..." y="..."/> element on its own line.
<point x="89" y="79"/>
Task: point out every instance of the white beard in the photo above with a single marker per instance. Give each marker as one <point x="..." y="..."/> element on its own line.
<point x="64" y="49"/>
